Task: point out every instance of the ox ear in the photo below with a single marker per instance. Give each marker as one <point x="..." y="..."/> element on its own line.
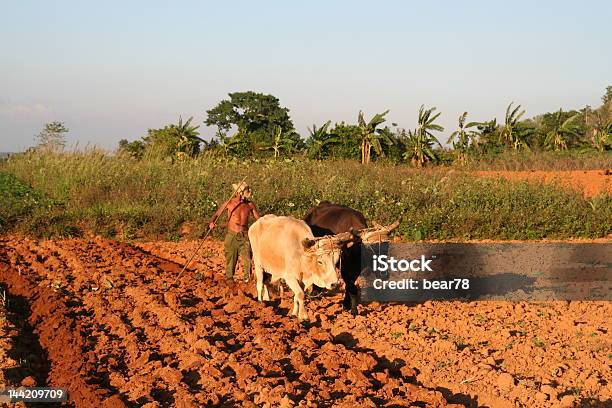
<point x="307" y="243"/>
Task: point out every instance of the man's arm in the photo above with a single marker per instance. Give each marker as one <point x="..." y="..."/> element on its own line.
<point x="254" y="211"/>
<point x="215" y="216"/>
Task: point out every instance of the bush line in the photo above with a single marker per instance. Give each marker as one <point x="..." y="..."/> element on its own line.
<point x="117" y="196"/>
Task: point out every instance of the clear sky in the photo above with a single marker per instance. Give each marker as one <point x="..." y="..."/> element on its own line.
<point x="111" y="70"/>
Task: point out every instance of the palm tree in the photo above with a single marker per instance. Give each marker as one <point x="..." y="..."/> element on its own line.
<point x="319" y="138"/>
<point x="188" y="140"/>
<point x="419" y="144"/>
<point x="464" y="137"/>
<point x="558" y="137"/>
<point x="370" y="136"/>
<point x="513" y="132"/>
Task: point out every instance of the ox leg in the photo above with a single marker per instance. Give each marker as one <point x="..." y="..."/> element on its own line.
<point x="262" y="290"/>
<point x="351" y="297"/>
<point x="350" y="272"/>
<point x="298" y="299"/>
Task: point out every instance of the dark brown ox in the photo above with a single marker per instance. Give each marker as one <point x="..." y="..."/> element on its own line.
<point x="330" y="219"/>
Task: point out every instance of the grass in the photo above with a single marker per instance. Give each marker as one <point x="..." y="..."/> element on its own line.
<point x="19" y="203"/>
<point x="116" y="196"/>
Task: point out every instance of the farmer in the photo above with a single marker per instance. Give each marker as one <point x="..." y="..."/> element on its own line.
<point x="239" y="209"/>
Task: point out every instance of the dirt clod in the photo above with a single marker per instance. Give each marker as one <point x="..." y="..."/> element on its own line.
<point x="28" y="382"/>
<point x="505" y="381"/>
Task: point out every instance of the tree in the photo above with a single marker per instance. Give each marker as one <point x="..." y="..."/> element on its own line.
<point x="559" y="136"/>
<point x="487" y="137"/>
<point x="52" y="137"/>
<point x="135" y="149"/>
<point x="395" y="152"/>
<point x="349" y="142"/>
<point x="319" y="140"/>
<point x="370" y="135"/>
<point x="256" y="117"/>
<point x="608" y="95"/>
<point x="174" y="140"/>
<point x="463" y="136"/>
<point x="420" y="142"/>
<point x="513" y="132"/>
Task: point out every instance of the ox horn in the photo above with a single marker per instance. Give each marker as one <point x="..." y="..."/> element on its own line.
<point x="344" y="237"/>
<point x="388" y="228"/>
<point x="393" y="226"/>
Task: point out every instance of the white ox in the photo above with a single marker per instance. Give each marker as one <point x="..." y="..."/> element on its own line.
<point x="285" y="248"/>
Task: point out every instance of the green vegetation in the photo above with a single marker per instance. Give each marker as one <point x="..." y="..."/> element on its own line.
<point x="462" y="138"/>
<point x="260" y="124"/>
<point x="150" y="187"/>
<point x="170" y="141"/>
<point x="20" y="205"/>
<point x="119" y="195"/>
<point x="318" y="140"/>
<point x="563" y="131"/>
<point x="370" y="136"/>
<point x="255" y="126"/>
<point x="420" y="143"/>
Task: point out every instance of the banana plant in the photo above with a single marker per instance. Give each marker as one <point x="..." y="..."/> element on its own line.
<point x="230" y="145"/>
<point x="419" y="144"/>
<point x="463" y="137"/>
<point x="559" y="136"/>
<point x="370" y="136"/>
<point x="602" y="134"/>
<point x="513" y="132"/>
<point x="281" y="141"/>
<point x="318" y="140"/>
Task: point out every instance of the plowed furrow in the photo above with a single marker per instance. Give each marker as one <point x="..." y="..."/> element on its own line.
<point x="62" y="328"/>
<point x="140" y="341"/>
<point x="129" y="304"/>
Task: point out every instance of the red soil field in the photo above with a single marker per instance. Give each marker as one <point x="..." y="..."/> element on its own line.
<point x="118" y="333"/>
<point x="590" y="182"/>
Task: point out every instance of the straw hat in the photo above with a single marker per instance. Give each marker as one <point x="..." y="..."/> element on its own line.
<point x="242" y="188"/>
